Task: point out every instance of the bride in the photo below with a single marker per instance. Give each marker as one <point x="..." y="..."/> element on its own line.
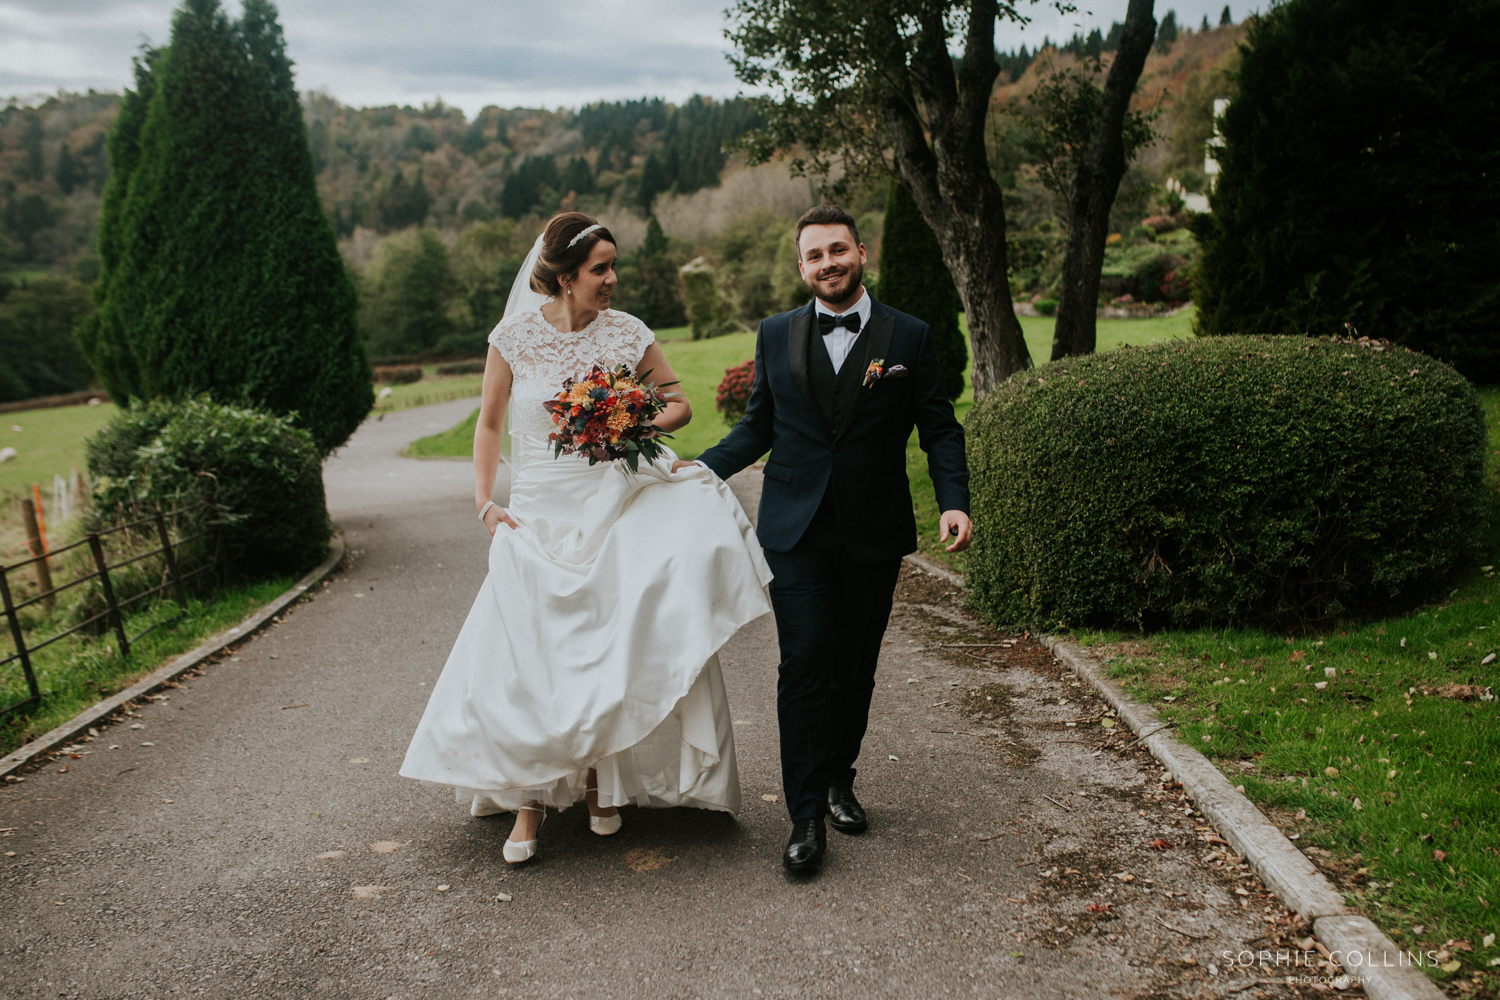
<point x="588" y="666"/>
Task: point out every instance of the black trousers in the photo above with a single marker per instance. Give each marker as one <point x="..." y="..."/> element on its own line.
<point x="831" y="613"/>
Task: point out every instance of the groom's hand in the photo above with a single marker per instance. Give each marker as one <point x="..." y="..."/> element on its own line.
<point x="956" y="522"/>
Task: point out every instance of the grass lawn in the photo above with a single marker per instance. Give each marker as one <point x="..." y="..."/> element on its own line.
<point x="432" y="389"/>
<point x="1372" y="743"/>
<point x="76" y="672"/>
<point x="49" y="443"/>
<point x="700" y="365"/>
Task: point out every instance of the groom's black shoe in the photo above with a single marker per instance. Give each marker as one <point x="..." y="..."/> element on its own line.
<point x="845" y="814"/>
<point x="804" y="852"/>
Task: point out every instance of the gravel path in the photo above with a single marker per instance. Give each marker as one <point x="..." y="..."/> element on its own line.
<point x="251" y="838"/>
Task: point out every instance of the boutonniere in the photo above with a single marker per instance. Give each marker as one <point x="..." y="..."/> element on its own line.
<point x="878" y="370"/>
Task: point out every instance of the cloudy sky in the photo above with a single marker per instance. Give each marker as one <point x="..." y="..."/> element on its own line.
<point x="513" y="53"/>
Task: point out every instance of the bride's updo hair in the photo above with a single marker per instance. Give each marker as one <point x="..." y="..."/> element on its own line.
<point x="557" y="257"/>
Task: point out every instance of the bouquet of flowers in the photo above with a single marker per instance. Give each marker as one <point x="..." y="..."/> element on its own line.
<point x="607" y="415"/>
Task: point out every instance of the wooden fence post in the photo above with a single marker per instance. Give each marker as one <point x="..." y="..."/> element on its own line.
<point x="38" y="551"/>
<point x="109" y="591"/>
<point x="20" y="640"/>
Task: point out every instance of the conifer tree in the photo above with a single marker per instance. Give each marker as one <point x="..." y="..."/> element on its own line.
<point x="221" y="271"/>
<point x="1166" y="32"/>
<point x="1357" y="184"/>
<point x="1225" y="19"/>
<point x="66" y="172"/>
<point x="914" y="279"/>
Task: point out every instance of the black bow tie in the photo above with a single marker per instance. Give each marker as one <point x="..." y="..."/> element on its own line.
<point x="849" y="321"/>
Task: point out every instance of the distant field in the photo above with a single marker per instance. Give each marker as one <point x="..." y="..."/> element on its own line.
<point x="49" y="442"/>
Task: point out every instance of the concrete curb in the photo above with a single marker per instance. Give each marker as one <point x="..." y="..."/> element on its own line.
<point x="1366" y="954"/>
<point x="94" y="714"/>
<point x="929" y="565"/>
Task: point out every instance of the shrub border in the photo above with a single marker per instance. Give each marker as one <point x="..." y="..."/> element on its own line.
<point x="1284" y="869"/>
<point x="246" y="630"/>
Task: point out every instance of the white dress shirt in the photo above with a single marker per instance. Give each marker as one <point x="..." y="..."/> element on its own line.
<point x="841" y="339"/>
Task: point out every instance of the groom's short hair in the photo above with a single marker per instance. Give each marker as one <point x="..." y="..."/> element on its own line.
<point x="826" y="215"/>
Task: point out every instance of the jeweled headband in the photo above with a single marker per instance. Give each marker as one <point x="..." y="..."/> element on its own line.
<point x="582" y="233"/>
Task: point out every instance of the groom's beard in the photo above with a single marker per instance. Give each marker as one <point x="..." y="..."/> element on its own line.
<point x="839" y="287"/>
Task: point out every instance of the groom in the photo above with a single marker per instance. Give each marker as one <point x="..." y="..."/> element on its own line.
<point x="839" y="384"/>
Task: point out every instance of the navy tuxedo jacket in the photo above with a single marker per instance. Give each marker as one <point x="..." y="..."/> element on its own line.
<point x="865" y="459"/>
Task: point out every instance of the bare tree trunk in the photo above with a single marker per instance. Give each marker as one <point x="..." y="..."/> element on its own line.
<point x="1094" y="188"/>
<point x="950" y="180"/>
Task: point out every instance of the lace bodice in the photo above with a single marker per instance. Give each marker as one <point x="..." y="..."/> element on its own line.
<point x="541" y="357"/>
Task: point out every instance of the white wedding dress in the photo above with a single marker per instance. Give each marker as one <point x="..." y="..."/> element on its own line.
<point x="594" y="641"/>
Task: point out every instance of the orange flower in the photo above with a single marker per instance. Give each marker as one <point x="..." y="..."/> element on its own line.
<point x="619" y="419"/>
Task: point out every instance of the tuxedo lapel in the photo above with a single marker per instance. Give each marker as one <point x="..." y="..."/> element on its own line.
<point x="799" y="335"/>
<point x="878" y="342"/>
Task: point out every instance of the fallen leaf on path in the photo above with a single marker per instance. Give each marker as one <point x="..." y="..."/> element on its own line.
<point x="647" y="860"/>
<point x="443" y="888"/>
<point x="1124" y="876"/>
<point x="770" y="798"/>
<point x="1162" y="845"/>
<point x="386" y="846"/>
<point x="503" y="897"/>
<point x="1107" y="723"/>
<point x="368" y="891"/>
<point x="1098" y="907"/>
<point x="1242" y="892"/>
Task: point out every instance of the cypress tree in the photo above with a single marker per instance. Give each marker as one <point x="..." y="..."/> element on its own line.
<point x="1358" y="185"/>
<point x="221" y="271"/>
<point x="914" y="279"/>
<point x="102" y="341"/>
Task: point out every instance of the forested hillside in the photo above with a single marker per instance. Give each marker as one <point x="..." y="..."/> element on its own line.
<point x="435" y="211"/>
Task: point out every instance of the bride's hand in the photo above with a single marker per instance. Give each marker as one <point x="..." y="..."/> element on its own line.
<point x="494" y="516"/>
<point x="679" y="465"/>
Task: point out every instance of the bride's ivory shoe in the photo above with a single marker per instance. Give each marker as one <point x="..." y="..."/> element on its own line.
<point x="523" y="850"/>
<point x="604" y="826"/>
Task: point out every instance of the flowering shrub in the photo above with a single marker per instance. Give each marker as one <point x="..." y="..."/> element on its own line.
<point x="734" y="391"/>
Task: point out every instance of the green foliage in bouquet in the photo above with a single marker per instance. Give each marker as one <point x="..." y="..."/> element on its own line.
<point x="221" y="272"/>
<point x="1278" y="481"/>
<point x="1358" y="185"/>
<point x="914" y="279"/>
<point x="260" y="474"/>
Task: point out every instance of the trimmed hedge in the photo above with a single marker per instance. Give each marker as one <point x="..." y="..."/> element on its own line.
<point x="261" y="474"/>
<point x="1240" y="480"/>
